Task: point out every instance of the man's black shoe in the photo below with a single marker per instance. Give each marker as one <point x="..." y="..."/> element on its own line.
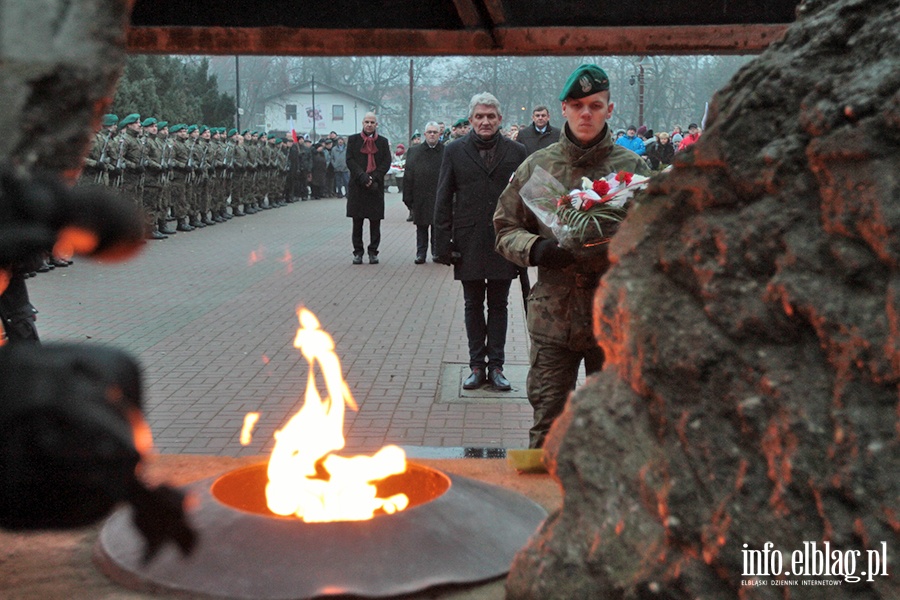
<point x="420" y="260"/>
<point x="373" y="259"/>
<point x="499" y="382"/>
<point x="475" y="380"/>
<point x="357" y="259"/>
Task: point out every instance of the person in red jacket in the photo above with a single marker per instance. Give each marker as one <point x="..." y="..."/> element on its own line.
<point x="692" y="136"/>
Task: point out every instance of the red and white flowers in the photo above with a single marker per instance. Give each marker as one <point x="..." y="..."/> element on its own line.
<point x="584" y="217"/>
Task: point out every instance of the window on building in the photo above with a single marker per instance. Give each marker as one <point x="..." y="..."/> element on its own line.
<point x="290" y="111"/>
<point x="337" y="112"/>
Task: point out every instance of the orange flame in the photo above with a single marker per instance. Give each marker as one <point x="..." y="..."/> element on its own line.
<point x="309" y="438"/>
<point x="250" y="420"/>
<point x="255" y="256"/>
<point x="288" y="261"/>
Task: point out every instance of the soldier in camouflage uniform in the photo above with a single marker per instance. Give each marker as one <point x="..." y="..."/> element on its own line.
<point x="151" y="177"/>
<point x="165" y="179"/>
<point x="217" y="205"/>
<point x="178" y="179"/>
<point x="239" y="186"/>
<point x="102" y="157"/>
<point x="130" y="162"/>
<point x="250" y="174"/>
<point x="559" y="316"/>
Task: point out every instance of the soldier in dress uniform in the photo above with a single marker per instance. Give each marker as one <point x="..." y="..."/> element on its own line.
<point x="238" y="160"/>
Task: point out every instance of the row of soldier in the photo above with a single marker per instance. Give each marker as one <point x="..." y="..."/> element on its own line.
<point x="192" y="175"/>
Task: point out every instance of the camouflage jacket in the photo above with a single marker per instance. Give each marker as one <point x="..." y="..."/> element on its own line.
<point x="132" y="151"/>
<point x="560" y="304"/>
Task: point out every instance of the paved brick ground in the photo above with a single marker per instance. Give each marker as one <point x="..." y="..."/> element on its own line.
<point x="211" y="315"/>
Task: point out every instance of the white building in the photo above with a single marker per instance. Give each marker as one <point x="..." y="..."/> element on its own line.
<point x="335" y="110"/>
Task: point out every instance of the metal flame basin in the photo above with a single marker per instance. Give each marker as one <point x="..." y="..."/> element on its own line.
<point x="456" y="530"/>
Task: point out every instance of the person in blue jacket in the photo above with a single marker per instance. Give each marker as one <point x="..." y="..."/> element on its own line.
<point x="631" y="141"/>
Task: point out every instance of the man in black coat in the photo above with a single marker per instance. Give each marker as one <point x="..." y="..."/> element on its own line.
<point x="476" y="169"/>
<point x="368" y="158"/>
<point x="420" y="179"/>
<point x="540" y="133"/>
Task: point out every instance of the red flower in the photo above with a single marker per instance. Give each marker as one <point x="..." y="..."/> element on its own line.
<point x="601" y="186"/>
<point x="565" y="200"/>
<point x="588" y="203"/>
<point x="624" y="176"/>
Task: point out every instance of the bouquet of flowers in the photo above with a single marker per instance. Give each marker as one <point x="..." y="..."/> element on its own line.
<point x="585" y="218"/>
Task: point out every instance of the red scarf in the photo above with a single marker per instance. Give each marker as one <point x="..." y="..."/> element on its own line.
<point x="369" y="148"/>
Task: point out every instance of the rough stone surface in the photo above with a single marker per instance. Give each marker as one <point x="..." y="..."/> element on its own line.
<point x="752" y="329"/>
<point x="59" y="63"/>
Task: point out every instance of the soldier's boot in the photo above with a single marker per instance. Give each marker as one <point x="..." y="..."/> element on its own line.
<point x="206" y="219"/>
<point x="163" y="227"/>
<point x="196" y="222"/>
<point x="225" y="214"/>
<point x="237" y="210"/>
<point x="153" y="233"/>
<point x="184" y="224"/>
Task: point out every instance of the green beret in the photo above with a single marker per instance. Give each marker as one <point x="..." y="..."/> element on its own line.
<point x="162" y="124"/>
<point x="177" y="128"/>
<point x="585" y="80"/>
<point x="278" y="140"/>
<point x="192" y="129"/>
<point x="109" y="120"/>
<point x="203" y="129"/>
<point x="461" y="122"/>
<point x="415" y="135"/>
<point x="232" y="131"/>
<point x="245" y="132"/>
<point x="148" y="122"/>
<point x="132" y="118"/>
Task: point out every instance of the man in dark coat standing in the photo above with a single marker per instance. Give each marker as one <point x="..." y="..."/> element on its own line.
<point x="476" y="169"/>
<point x="368" y="158"/>
<point x="420" y="179"/>
<point x="540" y="133"/>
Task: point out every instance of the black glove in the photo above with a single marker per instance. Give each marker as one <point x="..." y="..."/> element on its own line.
<point x="364" y="179"/>
<point x="547" y="253"/>
<point x="444" y="259"/>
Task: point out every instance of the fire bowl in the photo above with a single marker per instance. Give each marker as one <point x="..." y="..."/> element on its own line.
<point x="455" y="531"/>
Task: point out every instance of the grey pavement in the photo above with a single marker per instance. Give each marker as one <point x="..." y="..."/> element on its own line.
<point x="211" y="316"/>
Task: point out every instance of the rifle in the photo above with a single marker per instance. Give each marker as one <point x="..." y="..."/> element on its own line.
<point x="143" y="161"/>
<point x="229" y="164"/>
<point x="190" y="162"/>
<point x="203" y="165"/>
<point x="120" y="161"/>
<point x="103" y="158"/>
<point x="164" y="162"/>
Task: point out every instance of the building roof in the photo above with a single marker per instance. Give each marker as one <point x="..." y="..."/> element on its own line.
<point x="458" y="27"/>
<point x="306" y="88"/>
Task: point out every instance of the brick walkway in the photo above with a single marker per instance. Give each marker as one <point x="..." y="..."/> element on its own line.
<point x="211" y="315"/>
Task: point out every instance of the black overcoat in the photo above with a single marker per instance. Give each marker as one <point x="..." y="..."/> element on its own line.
<point x="420" y="180"/>
<point x="362" y="202"/>
<point x="464" y="207"/>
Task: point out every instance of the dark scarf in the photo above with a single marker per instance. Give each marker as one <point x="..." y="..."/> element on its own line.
<point x="369" y="148"/>
<point x="486" y="148"/>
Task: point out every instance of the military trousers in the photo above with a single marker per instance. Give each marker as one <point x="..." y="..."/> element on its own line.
<point x="552" y="376"/>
